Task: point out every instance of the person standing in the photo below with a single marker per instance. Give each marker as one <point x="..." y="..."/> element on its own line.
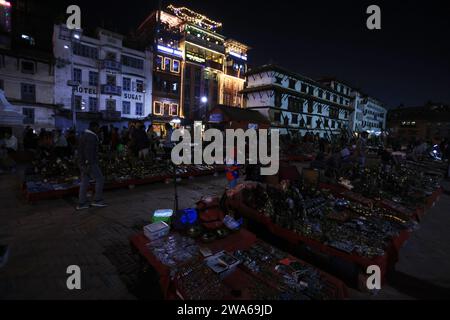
<point x="361" y="144"/>
<point x="89" y="167"/>
<point x="168" y="143"/>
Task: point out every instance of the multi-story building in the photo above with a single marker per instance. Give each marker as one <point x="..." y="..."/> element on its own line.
<point x="195" y="66"/>
<point x="368" y="113"/>
<point x="27" y="80"/>
<point x="374" y="115"/>
<point x="297" y="104"/>
<point x="100" y="78"/>
<point x="26" y="70"/>
<point x="428" y="122"/>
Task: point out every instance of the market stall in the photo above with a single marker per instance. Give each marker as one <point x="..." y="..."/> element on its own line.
<point x="327" y="225"/>
<point x="227" y="264"/>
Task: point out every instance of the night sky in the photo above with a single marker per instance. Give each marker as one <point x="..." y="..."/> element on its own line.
<point x="407" y="62"/>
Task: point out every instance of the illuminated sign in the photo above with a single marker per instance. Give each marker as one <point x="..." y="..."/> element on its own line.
<point x="170" y="50"/>
<point x="237" y="55"/>
<point x="195" y="58"/>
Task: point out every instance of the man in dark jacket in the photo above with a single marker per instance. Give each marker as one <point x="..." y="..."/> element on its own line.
<point x="89" y="167"/>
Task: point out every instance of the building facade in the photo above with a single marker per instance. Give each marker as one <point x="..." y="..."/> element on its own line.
<point x="296" y="104"/>
<point x="28" y="83"/>
<point x="368" y="114"/>
<point x="100" y="78"/>
<point x="426" y="123"/>
<point x="195" y="66"/>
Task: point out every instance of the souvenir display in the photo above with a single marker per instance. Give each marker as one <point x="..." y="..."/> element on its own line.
<point x="174" y="249"/>
<point x="49" y="173"/>
<point x="293" y="279"/>
<point x="340" y="223"/>
<point x="196" y="281"/>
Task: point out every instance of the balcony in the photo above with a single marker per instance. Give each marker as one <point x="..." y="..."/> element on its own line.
<point x="214" y="65"/>
<point x="205" y="43"/>
<point x="111" y="65"/>
<point x="111" y="90"/>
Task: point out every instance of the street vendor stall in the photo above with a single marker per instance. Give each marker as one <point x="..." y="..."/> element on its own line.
<point x="326" y="225"/>
<point x="208" y="256"/>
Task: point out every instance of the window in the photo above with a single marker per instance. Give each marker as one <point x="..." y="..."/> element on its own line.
<point x="167" y="64"/>
<point x="28" y="92"/>
<point x="93" y="78"/>
<point x="157" y="108"/>
<point x="292" y="83"/>
<point x="302" y="123"/>
<point x="334" y="113"/>
<point x="304" y="87"/>
<point x="28" y="67"/>
<point x="111" y="80"/>
<point x="132" y="62"/>
<point x="93" y="104"/>
<point x="174" y="87"/>
<point x="174" y="109"/>
<point x="77" y="103"/>
<point x="310" y="106"/>
<point x="295" y="118"/>
<point x="277" y="116"/>
<point x="126" y="84"/>
<point x="319" y="108"/>
<point x="328" y="96"/>
<point x="294" y="104"/>
<point x="77" y="75"/>
<point x="111" y="105"/>
<point x="335" y="98"/>
<point x="277" y="100"/>
<point x="139" y="86"/>
<point x="29" y="115"/>
<point x="85" y="51"/>
<point x="308" y="121"/>
<point x="139" y="109"/>
<point x="341" y="100"/>
<point x="126" y="106"/>
<point x="311" y="90"/>
<point x="111" y="56"/>
<point x="320" y="94"/>
<point x="176" y="66"/>
<point x="159" y="63"/>
<point x="278" y="80"/>
<point x="166" y="109"/>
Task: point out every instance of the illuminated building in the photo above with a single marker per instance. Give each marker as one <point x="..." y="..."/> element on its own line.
<point x="296" y="104"/>
<point x="369" y="114"/>
<point x="101" y="77"/>
<point x="195" y="67"/>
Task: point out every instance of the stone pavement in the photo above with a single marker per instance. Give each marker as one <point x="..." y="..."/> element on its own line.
<point x="47" y="237"/>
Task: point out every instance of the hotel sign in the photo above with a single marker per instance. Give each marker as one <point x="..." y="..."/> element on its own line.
<point x="132" y="96"/>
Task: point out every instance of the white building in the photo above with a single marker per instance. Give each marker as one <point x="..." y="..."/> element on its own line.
<point x="294" y="103"/>
<point x="374" y="115"/>
<point x="112" y="83"/>
<point x="27" y="79"/>
<point x="368" y="113"/>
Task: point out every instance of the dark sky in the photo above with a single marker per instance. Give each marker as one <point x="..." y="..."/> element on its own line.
<point x="408" y="61"/>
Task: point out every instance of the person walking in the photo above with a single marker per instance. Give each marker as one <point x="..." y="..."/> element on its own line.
<point x="89" y="167"/>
